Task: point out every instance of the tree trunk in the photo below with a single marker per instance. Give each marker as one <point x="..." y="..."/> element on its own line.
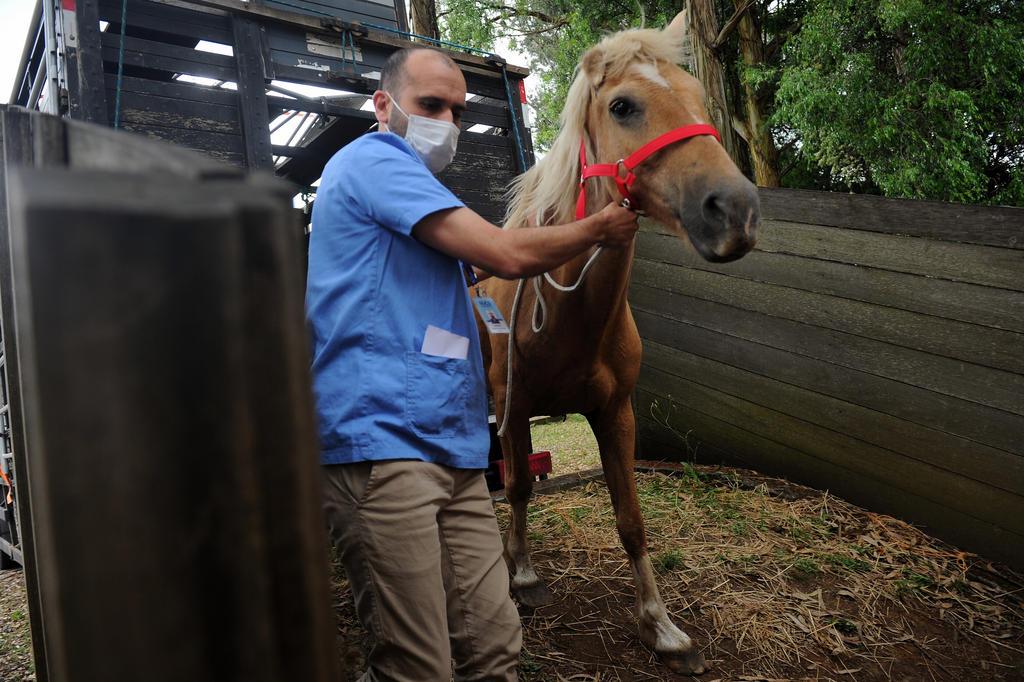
<point x="708" y="69"/>
<point x="764" y="157"/>
<point x="424" y="18"/>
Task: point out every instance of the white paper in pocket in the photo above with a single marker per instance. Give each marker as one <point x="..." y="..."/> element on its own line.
<point x="444" y="344"/>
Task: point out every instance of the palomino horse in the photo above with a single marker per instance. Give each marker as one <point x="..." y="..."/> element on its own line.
<point x="586" y="358"/>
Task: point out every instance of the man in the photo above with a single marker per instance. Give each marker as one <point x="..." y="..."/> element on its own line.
<point x="399" y="380"/>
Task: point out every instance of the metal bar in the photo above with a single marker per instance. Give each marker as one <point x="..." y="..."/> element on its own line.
<point x="285" y="91"/>
<point x="37" y="85"/>
<point x="52" y="87"/>
<point x="516" y="132"/>
<point x="403" y="15"/>
<point x="275" y="128"/>
<point x="290" y="152"/>
<point x="11" y="551"/>
<point x="297" y="129"/>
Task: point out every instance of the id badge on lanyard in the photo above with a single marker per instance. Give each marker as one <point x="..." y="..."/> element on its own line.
<point x="492" y="318"/>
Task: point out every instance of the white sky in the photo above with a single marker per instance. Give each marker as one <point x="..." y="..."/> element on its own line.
<point x="14" y="20"/>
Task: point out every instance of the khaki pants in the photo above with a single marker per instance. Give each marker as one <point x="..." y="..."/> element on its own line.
<point x="423" y="552"/>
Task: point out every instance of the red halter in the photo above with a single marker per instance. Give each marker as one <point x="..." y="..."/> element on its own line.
<point x="631" y="162"/>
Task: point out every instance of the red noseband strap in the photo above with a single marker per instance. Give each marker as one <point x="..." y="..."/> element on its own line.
<point x="624" y="182"/>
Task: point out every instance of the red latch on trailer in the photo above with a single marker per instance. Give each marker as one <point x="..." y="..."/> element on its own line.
<point x="540" y="465"/>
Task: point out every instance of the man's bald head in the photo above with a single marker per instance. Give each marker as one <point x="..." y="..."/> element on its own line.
<point x="394" y="75"/>
<point x="422" y="82"/>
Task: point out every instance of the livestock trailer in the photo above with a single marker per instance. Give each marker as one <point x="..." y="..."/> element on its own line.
<point x="275" y="85"/>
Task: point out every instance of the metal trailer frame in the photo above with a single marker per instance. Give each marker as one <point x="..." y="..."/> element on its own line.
<point x="224" y="99"/>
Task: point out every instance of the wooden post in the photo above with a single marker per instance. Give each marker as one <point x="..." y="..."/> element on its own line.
<point x="166" y="398"/>
<point x="16" y="144"/>
<point x="87" y="97"/>
<point x="252" y="93"/>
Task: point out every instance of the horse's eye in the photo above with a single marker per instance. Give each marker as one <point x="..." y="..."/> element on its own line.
<point x="621" y="108"/>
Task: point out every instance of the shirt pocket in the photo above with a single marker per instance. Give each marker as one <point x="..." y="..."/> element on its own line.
<point x="436" y="393"/>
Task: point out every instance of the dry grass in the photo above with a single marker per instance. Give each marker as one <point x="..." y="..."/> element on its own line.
<point x="774" y="588"/>
<point x="15" y="637"/>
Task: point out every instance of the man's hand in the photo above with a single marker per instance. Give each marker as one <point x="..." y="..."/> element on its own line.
<point x="616" y="225"/>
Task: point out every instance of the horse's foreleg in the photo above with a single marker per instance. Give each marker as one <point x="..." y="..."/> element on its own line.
<point x="516" y="447"/>
<point x="615" y="429"/>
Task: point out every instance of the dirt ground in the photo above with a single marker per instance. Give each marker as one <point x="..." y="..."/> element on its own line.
<point x="773" y="581"/>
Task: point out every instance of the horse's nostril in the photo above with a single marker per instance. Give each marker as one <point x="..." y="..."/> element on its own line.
<point x="713" y="209"/>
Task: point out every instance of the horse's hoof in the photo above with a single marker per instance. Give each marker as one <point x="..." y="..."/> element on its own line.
<point x="691" y="663"/>
<point x="533" y="596"/>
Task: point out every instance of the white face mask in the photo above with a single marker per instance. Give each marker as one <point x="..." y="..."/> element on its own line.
<point x="435" y="141"/>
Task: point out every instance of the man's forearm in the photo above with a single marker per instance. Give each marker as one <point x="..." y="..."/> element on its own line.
<point x="538" y="250"/>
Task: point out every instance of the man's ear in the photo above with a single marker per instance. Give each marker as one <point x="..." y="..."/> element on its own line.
<point x="593" y="66"/>
<point x="380" y="107"/>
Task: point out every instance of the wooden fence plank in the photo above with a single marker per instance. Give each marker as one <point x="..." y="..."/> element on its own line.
<point x="150" y="54"/>
<point x="993" y="348"/>
<point x="171" y="112"/>
<point x="922" y="480"/>
<point x="179" y="90"/>
<point x="349" y="10"/>
<point x="992" y="225"/>
<point x="985" y="265"/>
<point x="988" y="306"/>
<point x="960" y="456"/>
<point x="200" y="140"/>
<point x="170" y="20"/>
<point x="741" y="448"/>
<point x="868" y="345"/>
<point x="707" y="330"/>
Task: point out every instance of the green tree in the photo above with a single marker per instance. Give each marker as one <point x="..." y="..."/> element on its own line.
<point x="909" y="98"/>
<point x="554" y="33"/>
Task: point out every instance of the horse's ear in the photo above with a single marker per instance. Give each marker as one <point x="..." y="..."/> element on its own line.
<point x="680" y="25"/>
<point x="594" y="66"/>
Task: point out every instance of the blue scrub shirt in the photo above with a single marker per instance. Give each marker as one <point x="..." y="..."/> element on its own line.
<point x="372" y="289"/>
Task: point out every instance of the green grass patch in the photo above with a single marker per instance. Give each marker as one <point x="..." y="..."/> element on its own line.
<point x="913" y="582"/>
<point x="805" y="567"/>
<point x="666" y="562"/>
<point x="847" y="563"/>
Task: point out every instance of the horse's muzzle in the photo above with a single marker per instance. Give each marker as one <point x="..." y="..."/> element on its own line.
<point x="723" y="224"/>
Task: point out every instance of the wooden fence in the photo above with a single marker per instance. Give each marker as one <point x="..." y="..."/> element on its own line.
<point x="871" y="347"/>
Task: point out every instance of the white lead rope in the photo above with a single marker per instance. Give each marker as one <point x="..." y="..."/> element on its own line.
<point x="536" y="324"/>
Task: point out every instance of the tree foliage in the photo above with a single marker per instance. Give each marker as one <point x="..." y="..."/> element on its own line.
<point x="909" y="98"/>
<point x="912" y="98"/>
<point x="554" y="33"/>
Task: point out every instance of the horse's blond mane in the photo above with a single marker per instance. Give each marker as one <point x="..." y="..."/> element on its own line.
<point x="546" y="194"/>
